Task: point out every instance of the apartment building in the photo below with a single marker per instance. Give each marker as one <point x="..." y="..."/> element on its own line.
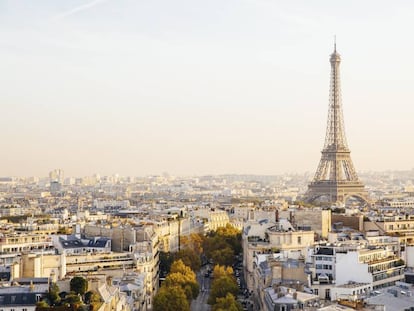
<point x="266" y="237"/>
<point x="400" y="226"/>
<point x="334" y="266"/>
<point x="14" y="244"/>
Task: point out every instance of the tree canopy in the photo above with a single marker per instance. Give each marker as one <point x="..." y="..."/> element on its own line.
<point x="219" y="271"/>
<point x="228" y="303"/>
<point x="189" y="257"/>
<point x="78" y="285"/>
<point x="172" y="298"/>
<point x="183" y="277"/>
<point x="221" y="287"/>
<point x="223" y="244"/>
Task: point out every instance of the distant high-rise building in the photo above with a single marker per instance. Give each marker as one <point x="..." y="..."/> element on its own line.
<point x="57" y="175"/>
<point x="336" y="178"/>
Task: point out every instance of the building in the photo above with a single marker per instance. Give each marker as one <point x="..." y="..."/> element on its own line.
<point x="267" y="237"/>
<point x="340" y="265"/>
<point x="14" y="244"/>
<point x="22" y="297"/>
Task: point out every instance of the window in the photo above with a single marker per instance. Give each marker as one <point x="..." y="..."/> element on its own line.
<point x="328" y="294"/>
<point x="299" y="240"/>
<point x="316" y="291"/>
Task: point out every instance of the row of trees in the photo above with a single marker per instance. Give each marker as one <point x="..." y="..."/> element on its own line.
<point x="222" y="245"/>
<point x="219" y="246"/>
<point x="224" y="290"/>
<point x="178" y="289"/>
<point x="188" y="256"/>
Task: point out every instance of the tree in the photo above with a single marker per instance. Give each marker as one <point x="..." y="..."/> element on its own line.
<point x="228" y="303"/>
<point x="92" y="296"/>
<point x="182" y="275"/>
<point x="79" y="285"/>
<point x="53" y="295"/>
<point x="224" y="256"/>
<point x="194" y="241"/>
<point x="190" y="258"/>
<point x="171" y="299"/>
<point x="166" y="259"/>
<point x="42" y="304"/>
<point x="93" y="299"/>
<point x="221" y="287"/>
<point x="188" y="284"/>
<point x="72" y="298"/>
<point x="219" y="271"/>
<point x="213" y="243"/>
<point x="221" y="245"/>
<point x="180" y="267"/>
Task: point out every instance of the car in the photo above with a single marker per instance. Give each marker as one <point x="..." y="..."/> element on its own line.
<point x="207" y="275"/>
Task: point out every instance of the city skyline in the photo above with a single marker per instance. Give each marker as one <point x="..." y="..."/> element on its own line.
<point x="199" y="88"/>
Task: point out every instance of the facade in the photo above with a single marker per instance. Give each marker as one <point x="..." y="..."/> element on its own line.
<point x="133" y="285"/>
<point x="14" y="244"/>
<point x="22" y="298"/>
<point x="399" y="226"/>
<point x="267" y="237"/>
<point x="329" y="267"/>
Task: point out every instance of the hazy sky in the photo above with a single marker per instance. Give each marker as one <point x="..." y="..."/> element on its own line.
<point x="140" y="87"/>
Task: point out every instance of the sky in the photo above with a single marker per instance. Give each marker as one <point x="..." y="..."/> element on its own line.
<point x="191" y="87"/>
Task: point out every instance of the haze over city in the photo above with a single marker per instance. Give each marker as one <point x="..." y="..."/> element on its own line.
<point x="200" y="87"/>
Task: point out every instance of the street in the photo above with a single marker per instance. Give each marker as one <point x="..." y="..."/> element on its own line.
<point x="200" y="304"/>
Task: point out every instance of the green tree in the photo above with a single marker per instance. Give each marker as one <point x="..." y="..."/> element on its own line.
<point x="190" y="258"/>
<point x="78" y="285"/>
<point x="171" y="298"/>
<point x="213" y="243"/>
<point x="42" y="304"/>
<point x="228" y="303"/>
<point x="166" y="260"/>
<point x="221" y="245"/>
<point x="221" y="287"/>
<point x="72" y="298"/>
<point x="224" y="256"/>
<point x="53" y="295"/>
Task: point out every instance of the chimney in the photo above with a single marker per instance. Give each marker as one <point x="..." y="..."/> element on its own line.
<point x="277" y="215"/>
<point x="109" y="280"/>
<point x="292" y="218"/>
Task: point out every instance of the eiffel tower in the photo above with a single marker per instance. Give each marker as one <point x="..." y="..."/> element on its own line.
<point x="336" y="178"/>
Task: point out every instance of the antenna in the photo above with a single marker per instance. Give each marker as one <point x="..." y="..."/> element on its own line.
<point x="335" y="43"/>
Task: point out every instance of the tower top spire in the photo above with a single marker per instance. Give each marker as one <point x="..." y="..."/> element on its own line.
<point x="335" y="57"/>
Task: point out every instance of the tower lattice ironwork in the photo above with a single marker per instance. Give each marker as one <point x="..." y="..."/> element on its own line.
<point x="336" y="177"/>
